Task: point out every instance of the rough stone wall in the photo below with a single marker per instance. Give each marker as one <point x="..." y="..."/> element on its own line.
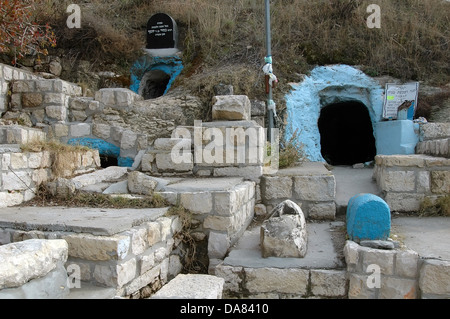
<point x="7" y="75"/>
<point x="434" y="139"/>
<point x="221" y="215"/>
<point x="279" y="283"/>
<point x="44" y="101"/>
<point x="402" y="274"/>
<point x="407" y="180"/>
<point x="128" y="261"/>
<point x="311" y="186"/>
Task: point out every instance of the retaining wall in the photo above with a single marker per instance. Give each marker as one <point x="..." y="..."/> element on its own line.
<point x="127" y="261"/>
<point x="407" y="180"/>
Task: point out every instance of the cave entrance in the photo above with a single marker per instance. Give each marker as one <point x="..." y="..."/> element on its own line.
<point x="346" y="133"/>
<point x="154" y="84"/>
<point x="107" y="161"/>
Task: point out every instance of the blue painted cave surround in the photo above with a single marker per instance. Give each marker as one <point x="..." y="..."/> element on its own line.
<point x="171" y="65"/>
<point x="324" y="86"/>
<point x="104" y="148"/>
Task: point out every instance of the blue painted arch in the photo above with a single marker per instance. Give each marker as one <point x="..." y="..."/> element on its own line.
<point x="170" y="65"/>
<point x="324" y="86"/>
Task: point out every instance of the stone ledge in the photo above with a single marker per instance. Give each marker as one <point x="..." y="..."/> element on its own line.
<point x="192" y="287"/>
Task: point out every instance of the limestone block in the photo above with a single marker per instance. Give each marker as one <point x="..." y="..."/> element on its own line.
<point x="56" y="112"/>
<point x="99" y="248"/>
<point x="406" y="263"/>
<point x="192" y="286"/>
<point x="169" y="144"/>
<point x="19" y="161"/>
<point x="398" y="181"/>
<point x="146" y="163"/>
<point x="115" y="275"/>
<point x="8" y="199"/>
<point x="16" y="181"/>
<point x="23" y="86"/>
<point x="404" y="202"/>
<point x="30" y="100"/>
<point x="276" y="187"/>
<point x="226" y="203"/>
<point x="23" y="261"/>
<point x="290" y="280"/>
<point x="44" y="85"/>
<point x="108" y="174"/>
<point x="329" y="283"/>
<point x="218" y="244"/>
<point x="197" y="202"/>
<point x="252" y="173"/>
<point x="284" y="233"/>
<point x="140" y="183"/>
<point x="54" y="98"/>
<point x="382" y="258"/>
<point x="440" y="182"/>
<point x="324" y="210"/>
<point x="128" y="140"/>
<point x="398" y="288"/>
<point x="231" y="275"/>
<point x="106" y="96"/>
<point x="102" y="131"/>
<point x="315" y="188"/>
<point x="358" y="288"/>
<point x="430" y="131"/>
<point x="60" y="130"/>
<point x="138" y="240"/>
<point x="231" y="108"/>
<point x="80" y="129"/>
<point x="164" y="162"/>
<point x="435" y="277"/>
<point x="368" y="218"/>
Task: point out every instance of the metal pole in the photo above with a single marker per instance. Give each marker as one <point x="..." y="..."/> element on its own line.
<point x="269" y="54"/>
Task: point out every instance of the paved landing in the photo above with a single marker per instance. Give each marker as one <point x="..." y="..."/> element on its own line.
<point x="428" y="236"/>
<point x="321" y="253"/>
<point x="97" y="221"/>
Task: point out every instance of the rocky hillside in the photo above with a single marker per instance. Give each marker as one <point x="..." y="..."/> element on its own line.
<point x="224" y="42"/>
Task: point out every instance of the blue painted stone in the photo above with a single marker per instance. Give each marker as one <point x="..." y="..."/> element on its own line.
<point x="125" y="161"/>
<point x="397" y="137"/>
<point x="368" y="218"/>
<point x="103" y="147"/>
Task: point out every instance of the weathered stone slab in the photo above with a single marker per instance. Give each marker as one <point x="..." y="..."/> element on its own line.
<point x="23" y="261"/>
<point x="192" y="286"/>
<point x="231" y="108"/>
<point x="284" y="233"/>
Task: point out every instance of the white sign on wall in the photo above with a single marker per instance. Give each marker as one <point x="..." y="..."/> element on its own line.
<point x="400" y="97"/>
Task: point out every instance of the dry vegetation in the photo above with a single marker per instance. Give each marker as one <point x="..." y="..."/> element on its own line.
<point x="224" y="40"/>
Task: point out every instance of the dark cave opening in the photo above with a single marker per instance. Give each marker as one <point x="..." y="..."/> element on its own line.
<point x="107" y="161"/>
<point x="154" y="84"/>
<point x="346" y="133"/>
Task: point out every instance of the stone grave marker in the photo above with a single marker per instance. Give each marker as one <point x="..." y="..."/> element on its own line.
<point x="368" y="218"/>
<point x="162" y="32"/>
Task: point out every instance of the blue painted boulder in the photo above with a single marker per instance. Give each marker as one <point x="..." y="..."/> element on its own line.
<point x="368" y="218"/>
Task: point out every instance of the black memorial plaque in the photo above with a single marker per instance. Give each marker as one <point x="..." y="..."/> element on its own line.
<point x="161" y="32"/>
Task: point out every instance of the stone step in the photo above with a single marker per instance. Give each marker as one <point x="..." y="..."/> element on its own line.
<point x="192" y="286"/>
<point x="439" y="147"/>
<point x="16" y="134"/>
<point x="89" y="291"/>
